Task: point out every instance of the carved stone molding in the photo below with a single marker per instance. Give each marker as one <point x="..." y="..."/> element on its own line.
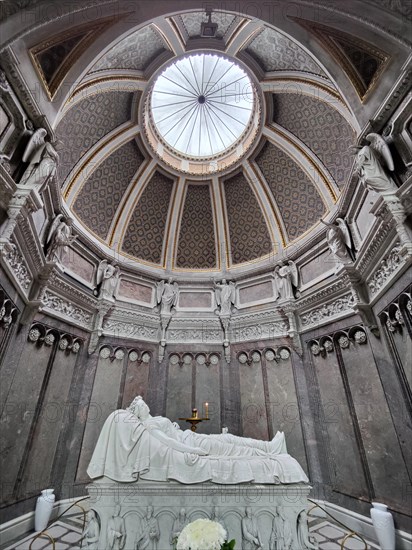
<point x="18" y="267"/>
<point x="202" y="358"/>
<point x="385" y="270"/>
<point x="42" y="335"/>
<point x="327" y="311"/>
<point x="66" y="309"/>
<point x="260" y="331"/>
<point x="322" y="295"/>
<point x="374" y="247"/>
<point x="8" y="310"/>
<point x="124" y="329"/>
<point x="134" y="355"/>
<point x="343" y="339"/>
<point x="281" y="353"/>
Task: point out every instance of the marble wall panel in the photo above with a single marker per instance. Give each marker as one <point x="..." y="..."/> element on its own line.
<point x="254" y="293"/>
<point x="78" y="264"/>
<point x="208" y="390"/>
<point x="365" y="219"/>
<point x="402" y="342"/>
<point x="179" y="393"/>
<point x="344" y="458"/>
<point x="55" y="407"/>
<point x="141" y="293"/>
<point x="316" y="267"/>
<point x="386" y="465"/>
<point x="103" y="401"/>
<point x="253" y="406"/>
<point x="19" y="411"/>
<point x="195" y="300"/>
<point x="136" y="382"/>
<point x="284" y="408"/>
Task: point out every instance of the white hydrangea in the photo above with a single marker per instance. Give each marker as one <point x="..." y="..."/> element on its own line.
<point x="202" y="534"/>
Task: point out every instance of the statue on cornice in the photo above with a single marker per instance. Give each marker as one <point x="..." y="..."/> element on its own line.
<point x="286" y="279"/>
<point x="107" y="280"/>
<point x="42" y="159"/>
<point x="225" y="293"/>
<point x="370" y="164"/>
<point x="167" y="294"/>
<point x="59" y="237"/>
<point x="339" y="241"/>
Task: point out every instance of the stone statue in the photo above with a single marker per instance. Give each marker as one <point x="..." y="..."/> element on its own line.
<point x="178" y="525"/>
<point x="107" y="279"/>
<point x="59" y="237"/>
<point x="286" y="280"/>
<point x="225" y="296"/>
<point x="167" y="293"/>
<point x="151" y="532"/>
<point x="42" y="159"/>
<point x="303" y="533"/>
<point x="251" y="539"/>
<point x="116" y="531"/>
<point x="370" y="165"/>
<point x="286" y="532"/>
<point x="135" y="445"/>
<point x="215" y="516"/>
<point x="92" y="532"/>
<point x="339" y="241"/>
<point x="275" y="540"/>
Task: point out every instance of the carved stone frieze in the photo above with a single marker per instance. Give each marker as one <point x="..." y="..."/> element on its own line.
<point x="386" y="268"/>
<point x="18" y="266"/>
<point x="69" y="291"/>
<point x="374" y="247"/>
<point x="322" y="295"/>
<point x="327" y="311"/>
<point x="259" y="331"/>
<point x="66" y="309"/>
<point x="194" y="335"/>
<point x="130" y="330"/>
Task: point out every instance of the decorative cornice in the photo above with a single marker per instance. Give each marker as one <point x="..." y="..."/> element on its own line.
<point x="68" y="290"/>
<point x="65" y="309"/>
<point x="389" y="265"/>
<point x="322" y="295"/>
<point x="18" y="266"/>
<point x="127" y="329"/>
<point x="373" y="248"/>
<point x="328" y="311"/>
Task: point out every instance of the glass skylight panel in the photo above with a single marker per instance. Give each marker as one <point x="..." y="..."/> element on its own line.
<point x="202" y="104"/>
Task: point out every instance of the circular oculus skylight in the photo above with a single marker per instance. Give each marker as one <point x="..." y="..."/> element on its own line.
<point x="202" y="105"/>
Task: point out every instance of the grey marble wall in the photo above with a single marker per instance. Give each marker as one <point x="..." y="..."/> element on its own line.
<point x="344" y="413"/>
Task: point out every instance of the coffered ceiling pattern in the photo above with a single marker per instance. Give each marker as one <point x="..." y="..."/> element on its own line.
<point x="132" y="200"/>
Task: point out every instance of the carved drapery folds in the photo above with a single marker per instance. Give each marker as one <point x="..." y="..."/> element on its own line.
<point x="342" y="338"/>
<point x="42" y="335"/>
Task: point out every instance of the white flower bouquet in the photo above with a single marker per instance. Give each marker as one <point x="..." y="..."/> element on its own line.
<point x="204" y="534"/>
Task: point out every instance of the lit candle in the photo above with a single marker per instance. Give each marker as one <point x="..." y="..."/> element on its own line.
<point x="207" y="410"/>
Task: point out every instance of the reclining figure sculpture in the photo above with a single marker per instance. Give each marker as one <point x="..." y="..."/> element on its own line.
<point x="134" y="445"/>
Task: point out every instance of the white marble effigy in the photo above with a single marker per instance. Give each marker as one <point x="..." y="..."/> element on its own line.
<point x="150" y="479"/>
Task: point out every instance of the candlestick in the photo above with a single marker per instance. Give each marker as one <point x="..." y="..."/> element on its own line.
<point x="194" y="413"/>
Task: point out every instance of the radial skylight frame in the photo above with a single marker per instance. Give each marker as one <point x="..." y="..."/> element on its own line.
<point x="202" y="105"/>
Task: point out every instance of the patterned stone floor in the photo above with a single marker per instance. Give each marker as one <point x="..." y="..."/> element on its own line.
<point x="67" y="533"/>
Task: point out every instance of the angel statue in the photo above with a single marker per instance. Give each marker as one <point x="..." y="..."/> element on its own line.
<point x="286" y="280"/>
<point x="225" y="294"/>
<point x="339" y="241"/>
<point x="167" y="293"/>
<point x="59" y="237"/>
<point x="107" y="279"/>
<point x="42" y="159"/>
<point x="370" y="165"/>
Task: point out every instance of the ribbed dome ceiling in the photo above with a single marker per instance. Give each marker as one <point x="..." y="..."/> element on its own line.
<point x="131" y="199"/>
